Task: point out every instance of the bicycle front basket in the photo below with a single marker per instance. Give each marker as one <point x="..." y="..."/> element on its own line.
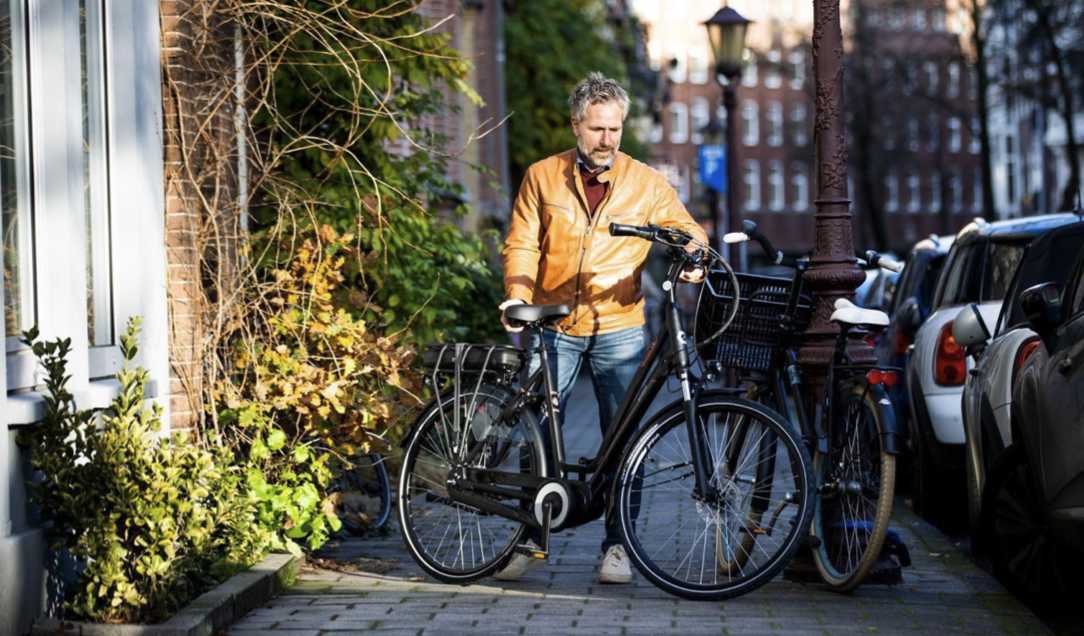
<point x="747" y="344"/>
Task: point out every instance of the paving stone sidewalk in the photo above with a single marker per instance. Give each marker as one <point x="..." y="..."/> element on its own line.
<point x="942" y="593"/>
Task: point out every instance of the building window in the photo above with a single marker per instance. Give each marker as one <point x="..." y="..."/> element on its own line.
<point x="892" y="191"/>
<point x="975" y="145"/>
<point x="799" y="179"/>
<point x="749" y="73"/>
<point x="888" y="67"/>
<point x="935" y="191"/>
<point x="873" y="14"/>
<point x="912" y="133"/>
<point x="910" y="77"/>
<point x="797" y="66"/>
<point x="797" y="116"/>
<point x="931" y="77"/>
<point x="678" y="63"/>
<point x="914" y="190"/>
<point x="933" y="140"/>
<point x="654" y="55"/>
<point x="679" y="123"/>
<point x="938" y="19"/>
<point x="776" y="195"/>
<point x="751" y="179"/>
<point x="918" y="18"/>
<point x="699" y="119"/>
<point x="972" y="84"/>
<point x="953" y="88"/>
<point x="895" y="16"/>
<point x="772" y="76"/>
<point x="956" y="190"/>
<point x="698" y="65"/>
<point x="888" y="132"/>
<point x="750" y="131"/>
<point x="955" y="139"/>
<point x="18" y="228"/>
<point x="656" y="132"/>
<point x="774" y="121"/>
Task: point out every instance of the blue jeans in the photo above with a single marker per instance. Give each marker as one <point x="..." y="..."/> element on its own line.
<point x="612" y="360"/>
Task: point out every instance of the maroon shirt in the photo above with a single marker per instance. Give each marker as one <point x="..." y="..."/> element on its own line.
<point x="593" y="188"/>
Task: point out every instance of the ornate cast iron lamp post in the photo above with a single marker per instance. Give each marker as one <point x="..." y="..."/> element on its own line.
<point x="726" y="33"/>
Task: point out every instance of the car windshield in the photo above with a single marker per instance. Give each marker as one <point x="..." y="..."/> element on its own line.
<point x="1049" y="260"/>
<point x="980" y="272"/>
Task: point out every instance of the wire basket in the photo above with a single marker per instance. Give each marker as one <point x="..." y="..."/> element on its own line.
<point x="747" y="344"/>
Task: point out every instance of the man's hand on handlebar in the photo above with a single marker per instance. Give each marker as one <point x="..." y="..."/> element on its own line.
<point x="509" y="327"/>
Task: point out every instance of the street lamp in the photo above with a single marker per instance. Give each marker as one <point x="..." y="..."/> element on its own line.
<point x="726" y="33"/>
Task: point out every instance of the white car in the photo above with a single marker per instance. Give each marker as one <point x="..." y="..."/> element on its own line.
<point x="978" y="269"/>
<point x="987" y="395"/>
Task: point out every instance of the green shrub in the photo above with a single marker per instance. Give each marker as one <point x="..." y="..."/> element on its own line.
<point x="152" y="523"/>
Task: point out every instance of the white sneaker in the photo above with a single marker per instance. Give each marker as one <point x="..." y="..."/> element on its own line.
<point x="520" y="564"/>
<point x="615" y="566"/>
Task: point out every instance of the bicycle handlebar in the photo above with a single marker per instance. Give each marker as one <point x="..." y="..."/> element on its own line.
<point x="618" y="229"/>
<point x="882" y="261"/>
<point x="749" y="233"/>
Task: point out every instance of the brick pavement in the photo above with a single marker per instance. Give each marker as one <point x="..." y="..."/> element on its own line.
<point x="942" y="593"/>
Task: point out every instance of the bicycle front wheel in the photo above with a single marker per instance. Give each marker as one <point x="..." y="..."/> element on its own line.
<point x="856" y="480"/>
<point x="739" y="534"/>
<point x="451" y="541"/>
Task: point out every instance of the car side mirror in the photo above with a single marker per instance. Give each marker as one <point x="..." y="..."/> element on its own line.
<point x="909" y="317"/>
<point x="969" y="330"/>
<point x="1042" y="306"/>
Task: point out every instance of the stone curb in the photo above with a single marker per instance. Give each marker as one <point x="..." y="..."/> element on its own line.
<point x="204" y="616"/>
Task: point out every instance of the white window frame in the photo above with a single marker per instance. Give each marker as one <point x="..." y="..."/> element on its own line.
<point x="974" y="145"/>
<point x="889" y="140"/>
<point x="955" y="140"/>
<point x="774" y="119"/>
<point x="801" y="133"/>
<point x="912" y="133"/>
<point x="777" y="193"/>
<point x="914" y="190"/>
<point x="750" y="123"/>
<point x="773" y="77"/>
<point x="679" y="123"/>
<point x="799" y="178"/>
<point x="678" y="71"/>
<point x="918" y="18"/>
<point x="957" y="187"/>
<point x="953" y="85"/>
<point x="933" y="142"/>
<point x="656" y="132"/>
<point x="699" y="71"/>
<point x="797" y="65"/>
<point x="749" y="70"/>
<point x="129" y="33"/>
<point x="932" y="77"/>
<point x="698" y="119"/>
<point x="892" y="191"/>
<point x="751" y="180"/>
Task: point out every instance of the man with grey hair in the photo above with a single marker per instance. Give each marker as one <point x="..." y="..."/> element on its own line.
<point x="559" y="250"/>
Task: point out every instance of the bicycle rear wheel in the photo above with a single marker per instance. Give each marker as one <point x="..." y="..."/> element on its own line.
<point x="755" y="516"/>
<point x="364" y="494"/>
<point x="451" y="541"/>
<point x="857" y="479"/>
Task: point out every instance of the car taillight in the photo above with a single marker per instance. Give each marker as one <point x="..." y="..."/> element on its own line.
<point x="1022" y="356"/>
<point x="903" y="341"/>
<point x="950" y="359"/>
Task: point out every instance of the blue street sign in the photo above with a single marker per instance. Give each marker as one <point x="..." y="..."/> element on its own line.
<point x="712" y="162"/>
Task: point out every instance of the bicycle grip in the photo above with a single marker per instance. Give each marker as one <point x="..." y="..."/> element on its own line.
<point x="617" y="229"/>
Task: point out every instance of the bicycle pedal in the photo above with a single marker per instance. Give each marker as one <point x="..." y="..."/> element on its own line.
<point x="534" y="553"/>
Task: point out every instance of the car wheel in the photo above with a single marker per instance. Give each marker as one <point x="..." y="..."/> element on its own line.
<point x="1025" y="556"/>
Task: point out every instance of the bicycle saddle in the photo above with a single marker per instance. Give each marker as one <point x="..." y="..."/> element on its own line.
<point x="852" y="314"/>
<point x="537" y="313"/>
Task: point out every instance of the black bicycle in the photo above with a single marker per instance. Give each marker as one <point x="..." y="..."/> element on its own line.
<point x="485" y="462"/>
<point x="852" y="434"/>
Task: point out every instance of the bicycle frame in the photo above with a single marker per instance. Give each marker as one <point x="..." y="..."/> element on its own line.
<point x="662" y="360"/>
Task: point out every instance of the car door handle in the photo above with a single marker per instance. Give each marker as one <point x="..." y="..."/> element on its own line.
<point x="1064" y="367"/>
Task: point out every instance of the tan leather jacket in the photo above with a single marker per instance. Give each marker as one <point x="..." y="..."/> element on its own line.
<point x="557" y="253"/>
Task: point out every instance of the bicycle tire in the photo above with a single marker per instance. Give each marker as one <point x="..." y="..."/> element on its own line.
<point x="677" y="540"/>
<point x="453" y="542"/>
<point x="364" y="502"/>
<point x="856" y="480"/>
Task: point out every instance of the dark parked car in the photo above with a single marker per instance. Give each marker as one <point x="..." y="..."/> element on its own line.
<point x="1033" y="500"/>
<point x="987" y="398"/>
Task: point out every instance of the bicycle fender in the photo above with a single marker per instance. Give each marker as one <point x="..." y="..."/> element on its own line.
<point x="890" y="437"/>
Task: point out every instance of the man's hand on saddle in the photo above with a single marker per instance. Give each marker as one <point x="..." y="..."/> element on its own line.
<point x="509" y="327"/>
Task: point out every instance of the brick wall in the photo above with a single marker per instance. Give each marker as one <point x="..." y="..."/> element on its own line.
<point x="201" y="189"/>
